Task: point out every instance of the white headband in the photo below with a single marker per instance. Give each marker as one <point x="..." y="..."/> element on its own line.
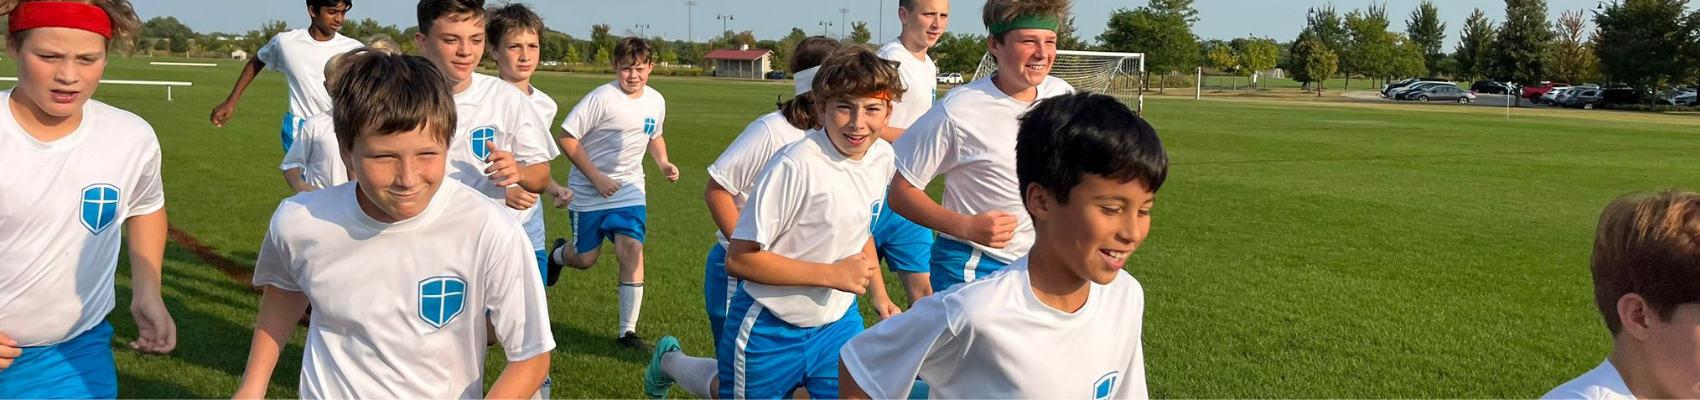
<point x="805" y="80"/>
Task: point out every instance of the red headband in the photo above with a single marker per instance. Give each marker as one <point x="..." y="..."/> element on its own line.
<point x="60" y="14"/>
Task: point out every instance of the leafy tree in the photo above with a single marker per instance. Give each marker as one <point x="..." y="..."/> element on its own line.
<point x="859" y="33"/>
<point x="1519" y="54"/>
<point x="959" y="53"/>
<point x="1370" y="51"/>
<point x="1641" y="42"/>
<point x="572" y="57"/>
<point x="1572" y="59"/>
<point x="1424" y="29"/>
<point x="1255" y="55"/>
<point x="1162" y="31"/>
<point x="1408" y="58"/>
<point x="1320" y="63"/>
<point x="1068" y="38"/>
<point x="555" y="45"/>
<point x="1473" y="54"/>
<point x="602" y="39"/>
<point x="603" y="56"/>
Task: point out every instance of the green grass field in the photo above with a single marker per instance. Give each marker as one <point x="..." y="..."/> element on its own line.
<point x="1298" y="250"/>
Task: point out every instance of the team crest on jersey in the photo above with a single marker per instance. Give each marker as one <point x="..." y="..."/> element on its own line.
<point x="878" y="206"/>
<point x="481" y="138"/>
<point x="1106" y="385"/>
<point x="100" y="207"/>
<point x="441" y="299"/>
<point x="649" y="126"/>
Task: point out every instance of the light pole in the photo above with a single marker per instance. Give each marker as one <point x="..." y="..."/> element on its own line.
<point x="641" y="27"/>
<point x="723" y="19"/>
<point x="843" y="23"/>
<point x="824" y="25"/>
<point x="690" y="20"/>
<point x="882" y="19"/>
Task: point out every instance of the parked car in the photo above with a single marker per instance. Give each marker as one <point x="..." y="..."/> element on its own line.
<point x="1534" y="92"/>
<point x="1440" y="93"/>
<point x="1387" y="90"/>
<point x="1680" y="98"/>
<point x="776" y="75"/>
<point x="1491" y="87"/>
<point x="1551" y="96"/>
<point x="1585" y="99"/>
<point x="950" y="78"/>
<point x="1414" y="87"/>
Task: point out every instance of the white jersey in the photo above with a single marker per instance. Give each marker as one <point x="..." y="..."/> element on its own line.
<point x="399" y="310"/>
<point x="1602" y="383"/>
<point x="302" y="60"/>
<point x="970" y="139"/>
<point x="814" y="205"/>
<point x="317" y="153"/>
<point x="920" y="84"/>
<point x="62" y="207"/>
<point x="737" y="168"/>
<point x="533" y="217"/>
<point x="615" y="131"/>
<point x="993" y="339"/>
<point x="493" y="110"/>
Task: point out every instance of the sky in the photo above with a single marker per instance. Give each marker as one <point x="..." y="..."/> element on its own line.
<point x="770" y="19"/>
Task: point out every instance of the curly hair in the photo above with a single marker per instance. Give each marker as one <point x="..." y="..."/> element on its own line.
<point x="854" y="71"/>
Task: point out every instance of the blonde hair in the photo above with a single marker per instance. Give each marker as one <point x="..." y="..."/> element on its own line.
<point x="123" y="19"/>
<point x="384" y="43"/>
<point x="338" y="64"/>
<point x="1002" y="11"/>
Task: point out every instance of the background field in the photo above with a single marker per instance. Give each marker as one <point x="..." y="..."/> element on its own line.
<point x="1299" y="250"/>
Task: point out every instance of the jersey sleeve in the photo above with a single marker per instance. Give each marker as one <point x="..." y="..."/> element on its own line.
<point x="301" y="151"/>
<point x="272" y="54"/>
<point x="532" y="144"/>
<point x="927" y="149"/>
<point x="586" y="115"/>
<point x="773" y="204"/>
<point x="513" y="295"/>
<point x="148" y="193"/>
<point x="885" y="359"/>
<point x="738" y="167"/>
<point x="272" y="268"/>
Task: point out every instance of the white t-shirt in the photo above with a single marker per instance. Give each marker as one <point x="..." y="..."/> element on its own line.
<point x="317" y="154"/>
<point x="737" y="168"/>
<point x="1602" y="383"/>
<point x="399" y="310"/>
<point x="302" y="60"/>
<point x="970" y="139"/>
<point x="814" y="205"/>
<point x="533" y="217"/>
<point x="615" y="131"/>
<point x="492" y="109"/>
<point x="993" y="339"/>
<point x="920" y="83"/>
<point x="62" y="207"/>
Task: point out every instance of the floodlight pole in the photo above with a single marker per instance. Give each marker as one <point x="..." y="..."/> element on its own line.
<point x="843" y="23"/>
<point x="690" y="21"/>
<point x="882" y="19"/>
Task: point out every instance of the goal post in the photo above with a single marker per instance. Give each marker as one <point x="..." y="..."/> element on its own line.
<point x="1111" y="73"/>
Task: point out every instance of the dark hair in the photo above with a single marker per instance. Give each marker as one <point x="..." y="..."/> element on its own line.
<point x="810" y="53"/>
<point x="459" y="10"/>
<point x="1001" y="11"/>
<point x="1648" y="244"/>
<point x="386" y="94"/>
<point x="1066" y="137"/>
<point x="514" y="17"/>
<point x="315" y="5"/>
<point x="633" y="50"/>
<point x="120" y="14"/>
<point x="853" y="71"/>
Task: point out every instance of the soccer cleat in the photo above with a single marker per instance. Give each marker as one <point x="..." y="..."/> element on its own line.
<point x="657" y="383"/>
<point x="632" y="341"/>
<point x="554" y="266"/>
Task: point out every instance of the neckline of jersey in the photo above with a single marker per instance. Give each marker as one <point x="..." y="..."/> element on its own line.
<point x="62" y="144"/>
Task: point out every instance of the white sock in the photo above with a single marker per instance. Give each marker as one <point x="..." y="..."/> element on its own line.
<point x="631" y="302"/>
<point x="556" y="255"/>
<point x="694" y="374"/>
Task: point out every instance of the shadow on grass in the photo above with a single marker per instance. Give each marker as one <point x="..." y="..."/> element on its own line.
<point x="574" y="340"/>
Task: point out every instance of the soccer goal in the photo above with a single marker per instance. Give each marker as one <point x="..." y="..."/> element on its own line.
<point x="1114" y="74"/>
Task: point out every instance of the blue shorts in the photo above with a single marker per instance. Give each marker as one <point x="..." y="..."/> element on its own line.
<point x="291" y="126"/>
<point x="80" y="368"/>
<point x="717" y="289"/>
<point x="956" y="262"/>
<point x="901" y="243"/>
<point x="543" y="265"/>
<point x="766" y="358"/>
<point x="590" y="228"/>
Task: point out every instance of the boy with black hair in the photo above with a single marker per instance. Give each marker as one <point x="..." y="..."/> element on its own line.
<point x="966" y="137"/>
<point x="301" y="56"/>
<point x="1065" y="321"/>
<point x="1646" y="268"/>
<point x="606" y="136"/>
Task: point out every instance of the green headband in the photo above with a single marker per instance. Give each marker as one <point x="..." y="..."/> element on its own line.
<point x="1027" y="21"/>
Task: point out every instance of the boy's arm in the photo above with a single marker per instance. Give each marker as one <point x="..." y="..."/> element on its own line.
<point x="534" y="178"/>
<point x="891" y="134"/>
<point x="296" y="182"/>
<point x="876" y="286"/>
<point x="746" y="260"/>
<point x="883" y="361"/>
<point x="721" y="207"/>
<point x="223" y="111"/>
<point x="575" y="152"/>
<point x="992" y="228"/>
<point x="658" y="151"/>
<point x="155" y="330"/>
<point x="280" y="310"/>
<point x="847" y="387"/>
<point x="520" y="379"/>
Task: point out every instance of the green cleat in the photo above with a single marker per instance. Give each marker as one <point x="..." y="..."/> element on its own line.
<point x="657" y="383"/>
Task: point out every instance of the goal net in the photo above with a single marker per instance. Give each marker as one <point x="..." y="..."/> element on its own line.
<point x="1114" y="74"/>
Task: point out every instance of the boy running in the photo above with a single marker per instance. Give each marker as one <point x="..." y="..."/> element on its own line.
<point x="969" y="137"/>
<point x="904" y="245"/>
<point x="514" y="34"/>
<point x="606" y="136"/>
<point x="301" y="56"/>
<point x="1065" y="321"/>
<point x="404" y="271"/>
<point x="315" y="160"/>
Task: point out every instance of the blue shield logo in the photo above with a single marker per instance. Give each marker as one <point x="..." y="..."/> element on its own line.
<point x="649" y="126"/>
<point x="1106" y="386"/>
<point x="879" y="205"/>
<point x="441" y="299"/>
<point x="481" y="138"/>
<point x="100" y="207"/>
